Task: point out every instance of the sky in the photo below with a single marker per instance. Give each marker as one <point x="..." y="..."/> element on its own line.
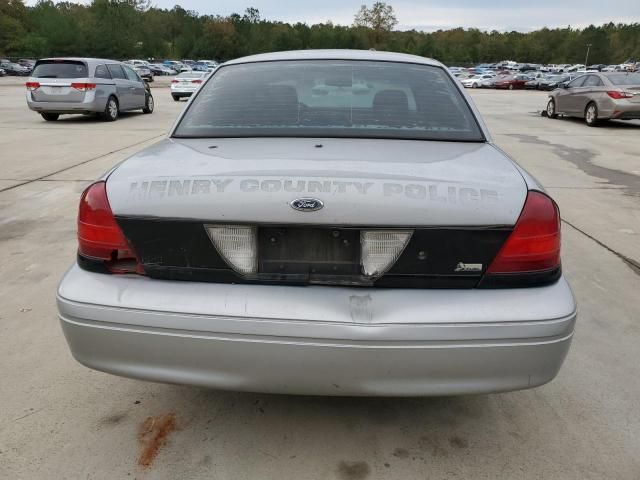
<point x="429" y="15"/>
<point x="502" y="15"/>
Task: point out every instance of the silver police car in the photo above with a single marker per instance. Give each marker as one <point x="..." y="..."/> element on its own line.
<point x="86" y="85"/>
<point x="327" y="222"/>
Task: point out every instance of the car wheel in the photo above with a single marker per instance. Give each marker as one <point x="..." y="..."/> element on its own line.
<point x="511" y="87"/>
<point x="591" y="115"/>
<point x="111" y="111"/>
<point x="176" y="98"/>
<point x="148" y="106"/>
<point x="50" y="117"/>
<point x="551" y="109"/>
<point x="474" y="85"/>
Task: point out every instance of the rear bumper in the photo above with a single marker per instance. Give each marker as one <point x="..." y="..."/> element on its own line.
<point x="94" y="104"/>
<point x="625" y="110"/>
<point x="183" y="92"/>
<point x="317" y="340"/>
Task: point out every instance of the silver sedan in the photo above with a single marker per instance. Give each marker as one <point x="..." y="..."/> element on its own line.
<point x="322" y="222"/>
<point x="598" y="96"/>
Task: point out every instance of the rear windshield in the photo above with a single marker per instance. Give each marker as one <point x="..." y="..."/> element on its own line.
<point x="60" y="69"/>
<point x="190" y="75"/>
<point x="624" y="78"/>
<point x="330" y="98"/>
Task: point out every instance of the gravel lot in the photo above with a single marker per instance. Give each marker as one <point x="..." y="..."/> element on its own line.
<point x="61" y="420"/>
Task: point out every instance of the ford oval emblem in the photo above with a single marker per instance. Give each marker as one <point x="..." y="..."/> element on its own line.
<point x="306" y="204"/>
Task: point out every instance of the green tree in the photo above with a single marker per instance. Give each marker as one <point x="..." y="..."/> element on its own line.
<point x="13" y="15"/>
<point x="378" y="21"/>
<point x="380" y="17"/>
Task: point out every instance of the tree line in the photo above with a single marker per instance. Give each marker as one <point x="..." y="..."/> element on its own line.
<point x="135" y="29"/>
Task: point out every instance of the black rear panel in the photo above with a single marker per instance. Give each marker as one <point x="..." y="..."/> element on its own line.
<point x="182" y="250"/>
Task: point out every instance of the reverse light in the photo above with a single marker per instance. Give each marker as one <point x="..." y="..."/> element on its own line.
<point x="381" y="248"/>
<point x="31" y="86"/>
<point x="100" y="239"/>
<point x="83" y="86"/>
<point x="618" y="95"/>
<point x="534" y="243"/>
<point x="238" y="246"/>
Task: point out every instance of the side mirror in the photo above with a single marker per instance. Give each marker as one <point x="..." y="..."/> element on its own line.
<point x="564" y="85"/>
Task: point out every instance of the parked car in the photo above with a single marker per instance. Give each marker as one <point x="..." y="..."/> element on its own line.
<point x="14" y="69"/>
<point x="598" y="96"/>
<point x="534" y="84"/>
<point x="86" y="85"/>
<point x="359" y="242"/>
<point x="186" y="83"/>
<point x="144" y="72"/>
<point x="200" y="67"/>
<point x="142" y="69"/>
<point x="475" y="81"/>
<point x="554" y="81"/>
<point x="27" y="63"/>
<point x="514" y="82"/>
<point x="212" y="64"/>
<point x="161" y="70"/>
<point x="177" y="66"/>
<point x="137" y="63"/>
<point x="2" y="72"/>
<point x="490" y="82"/>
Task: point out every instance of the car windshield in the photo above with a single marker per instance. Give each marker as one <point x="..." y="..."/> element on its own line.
<point x="624" y="78"/>
<point x="60" y="69"/>
<point x="331" y="98"/>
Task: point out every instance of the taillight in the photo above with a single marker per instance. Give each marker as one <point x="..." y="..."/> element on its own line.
<point x="617" y="95"/>
<point x="32" y="85"/>
<point x="83" y="87"/>
<point x="174" y="81"/>
<point x="196" y="81"/>
<point x="100" y="239"/>
<point x="534" y="244"/>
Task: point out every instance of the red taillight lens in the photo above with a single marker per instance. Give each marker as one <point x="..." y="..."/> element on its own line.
<point x="196" y="81"/>
<point x="534" y="243"/>
<point x="83" y="87"/>
<point x="617" y="95"/>
<point x="174" y="81"/>
<point x="99" y="236"/>
<point x="32" y="85"/>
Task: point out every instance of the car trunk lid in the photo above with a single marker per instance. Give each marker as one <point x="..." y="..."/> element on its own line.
<point x="360" y="182"/>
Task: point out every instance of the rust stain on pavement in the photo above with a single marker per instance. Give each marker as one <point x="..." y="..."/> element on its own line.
<point x="152" y="436"/>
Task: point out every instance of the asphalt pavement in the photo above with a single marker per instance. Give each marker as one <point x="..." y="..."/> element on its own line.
<point x="60" y="420"/>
